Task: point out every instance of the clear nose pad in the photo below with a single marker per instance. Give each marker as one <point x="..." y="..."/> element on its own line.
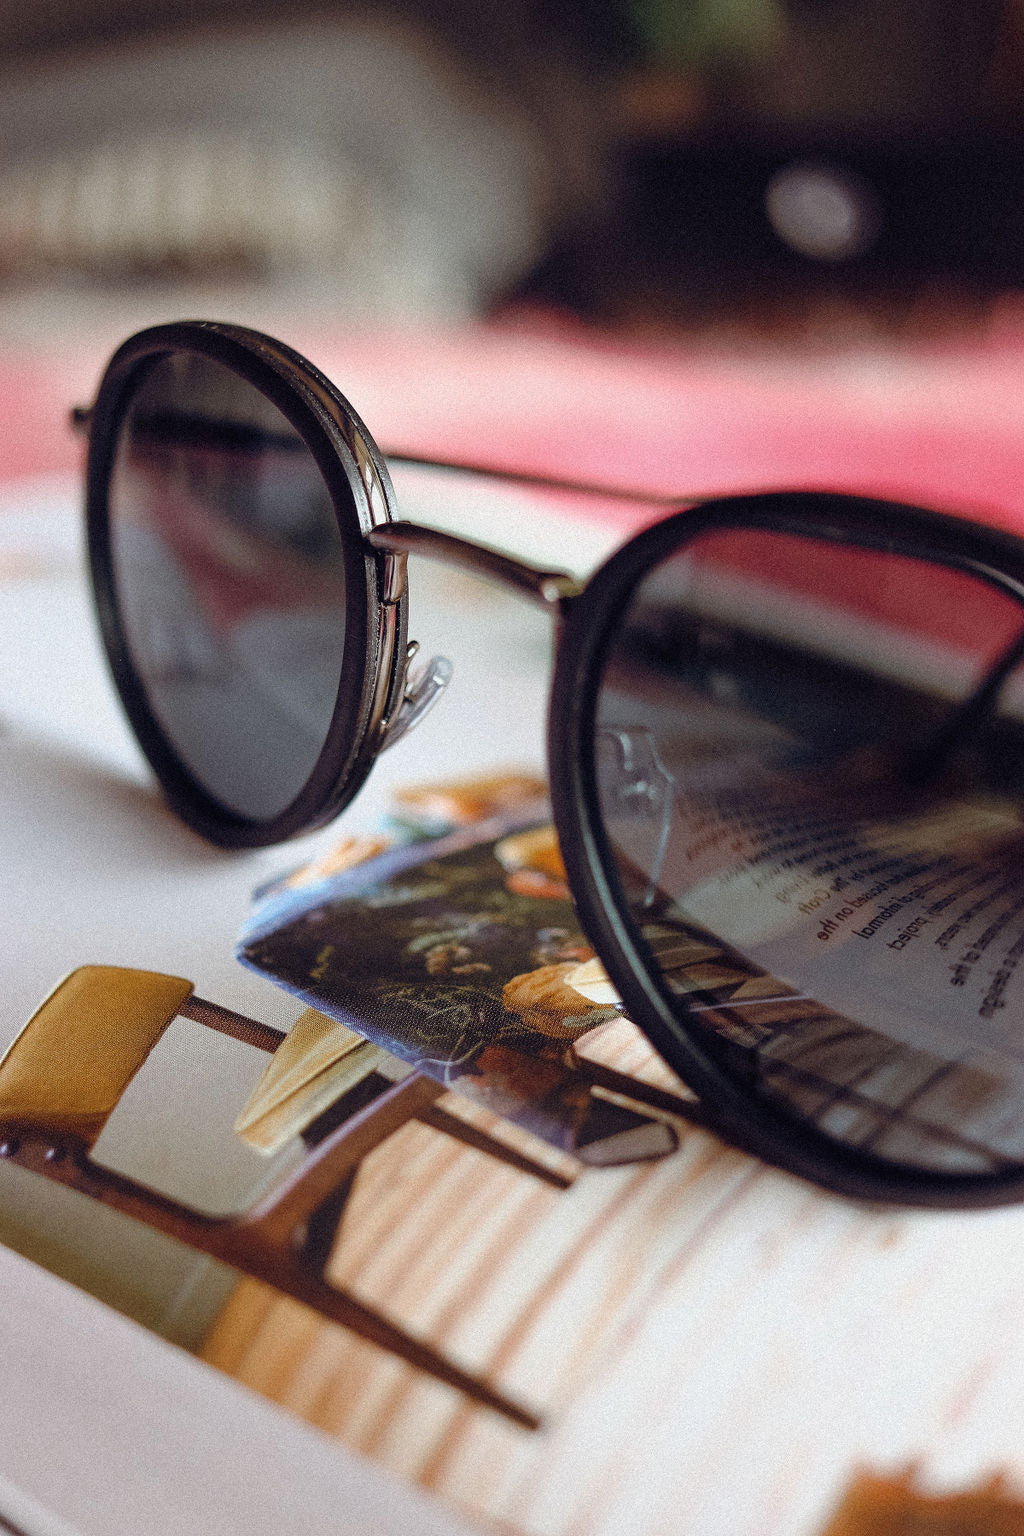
<point x="638" y="787"/>
<point x="422" y="690"/>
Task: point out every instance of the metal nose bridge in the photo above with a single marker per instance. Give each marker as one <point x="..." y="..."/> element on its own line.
<point x="545" y="587"/>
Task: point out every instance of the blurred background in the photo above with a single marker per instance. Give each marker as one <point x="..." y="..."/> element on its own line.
<point x="648" y="163"/>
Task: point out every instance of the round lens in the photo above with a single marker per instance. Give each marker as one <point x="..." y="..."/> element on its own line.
<point x="810" y="770"/>
<point x="229" y="574"/>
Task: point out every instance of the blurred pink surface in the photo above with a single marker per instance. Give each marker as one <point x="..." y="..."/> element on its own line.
<point x="940" y="422"/>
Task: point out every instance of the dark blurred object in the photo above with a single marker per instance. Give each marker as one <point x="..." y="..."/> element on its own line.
<point x="691" y="227"/>
<point x="855" y="66"/>
<point x="777" y="150"/>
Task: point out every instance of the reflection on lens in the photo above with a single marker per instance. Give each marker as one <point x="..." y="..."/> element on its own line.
<point x="229" y="574"/>
<point x="810" y="764"/>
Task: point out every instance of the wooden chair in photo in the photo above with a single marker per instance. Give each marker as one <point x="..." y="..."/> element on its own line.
<point x="66" y="1071"/>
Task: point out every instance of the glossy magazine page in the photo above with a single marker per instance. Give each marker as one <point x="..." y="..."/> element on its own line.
<point x="708" y="1344"/>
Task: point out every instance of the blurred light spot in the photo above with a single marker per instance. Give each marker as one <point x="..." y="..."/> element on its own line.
<point x="822" y="211"/>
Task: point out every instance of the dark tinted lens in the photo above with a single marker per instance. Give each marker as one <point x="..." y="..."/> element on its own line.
<point x="811" y="773"/>
<point x="229" y="572"/>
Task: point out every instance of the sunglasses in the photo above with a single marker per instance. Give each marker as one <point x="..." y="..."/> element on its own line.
<point x="786" y="746"/>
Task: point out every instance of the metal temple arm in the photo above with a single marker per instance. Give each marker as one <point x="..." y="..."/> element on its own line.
<point x="546" y="587"/>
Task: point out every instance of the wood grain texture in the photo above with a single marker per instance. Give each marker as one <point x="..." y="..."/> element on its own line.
<point x="716" y="1346"/>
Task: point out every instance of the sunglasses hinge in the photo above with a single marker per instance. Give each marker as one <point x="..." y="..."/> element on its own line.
<point x="394" y="575"/>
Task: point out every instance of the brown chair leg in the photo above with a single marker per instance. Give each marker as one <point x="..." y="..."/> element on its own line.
<point x="288" y="1274"/>
<point x="451" y="1125"/>
<point x="322" y="1227"/>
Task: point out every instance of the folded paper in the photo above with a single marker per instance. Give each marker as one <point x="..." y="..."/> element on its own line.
<point x="318" y="1062"/>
